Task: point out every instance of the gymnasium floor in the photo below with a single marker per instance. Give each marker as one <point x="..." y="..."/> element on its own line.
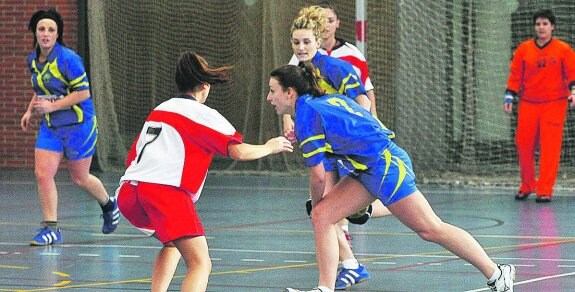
<point x="261" y="240"/>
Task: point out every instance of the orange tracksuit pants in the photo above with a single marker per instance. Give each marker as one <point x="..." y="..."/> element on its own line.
<point x="540" y="124"/>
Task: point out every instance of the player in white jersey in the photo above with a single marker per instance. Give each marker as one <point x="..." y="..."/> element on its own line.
<point x="168" y="164"/>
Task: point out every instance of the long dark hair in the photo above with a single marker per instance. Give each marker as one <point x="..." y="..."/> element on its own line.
<point x="303" y="78"/>
<point x="50" y="14"/>
<point x="192" y="70"/>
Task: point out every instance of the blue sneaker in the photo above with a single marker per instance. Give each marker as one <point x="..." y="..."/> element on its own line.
<point x="111" y="218"/>
<point x="348" y="277"/>
<point x="47" y="236"/>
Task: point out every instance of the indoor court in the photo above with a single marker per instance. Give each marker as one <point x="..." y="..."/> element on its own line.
<point x="260" y="239"/>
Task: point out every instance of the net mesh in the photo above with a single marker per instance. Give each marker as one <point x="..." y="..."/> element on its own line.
<point x="439" y="70"/>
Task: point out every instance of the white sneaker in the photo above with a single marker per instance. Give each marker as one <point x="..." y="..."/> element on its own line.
<point x="505" y="282"/>
<point x="316" y="289"/>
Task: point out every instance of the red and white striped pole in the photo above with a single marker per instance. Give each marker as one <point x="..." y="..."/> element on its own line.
<point x="361" y="25"/>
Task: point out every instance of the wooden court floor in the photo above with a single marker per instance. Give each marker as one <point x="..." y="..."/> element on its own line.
<point x="261" y="240"/>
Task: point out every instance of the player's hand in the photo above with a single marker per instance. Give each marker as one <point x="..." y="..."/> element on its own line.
<point x="572" y="98"/>
<point x="25" y="122"/>
<point x="508" y="107"/>
<point x="290" y="135"/>
<point x="279" y="144"/>
<point x="43" y="106"/>
<point x="508" y="103"/>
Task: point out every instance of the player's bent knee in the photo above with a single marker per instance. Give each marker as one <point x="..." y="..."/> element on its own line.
<point x="319" y="218"/>
<point x="433" y="233"/>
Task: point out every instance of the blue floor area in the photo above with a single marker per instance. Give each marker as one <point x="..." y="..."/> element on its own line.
<point x="260" y="239"/>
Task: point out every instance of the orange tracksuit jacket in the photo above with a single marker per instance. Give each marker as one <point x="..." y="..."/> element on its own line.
<point x="542" y="76"/>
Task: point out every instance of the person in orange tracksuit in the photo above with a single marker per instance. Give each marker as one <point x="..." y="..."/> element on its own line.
<point x="543" y="74"/>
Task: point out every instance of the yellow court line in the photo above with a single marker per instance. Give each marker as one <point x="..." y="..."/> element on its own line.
<point x="247" y="271"/>
<point x="64" y="275"/>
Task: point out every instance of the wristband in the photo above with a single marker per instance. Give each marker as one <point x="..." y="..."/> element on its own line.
<point x="508" y="98"/>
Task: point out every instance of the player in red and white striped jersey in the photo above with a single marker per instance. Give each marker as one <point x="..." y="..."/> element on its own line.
<point x="168" y="164"/>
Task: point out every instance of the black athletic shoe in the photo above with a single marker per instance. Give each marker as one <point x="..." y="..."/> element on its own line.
<point x="521" y="196"/>
<point x="543" y="199"/>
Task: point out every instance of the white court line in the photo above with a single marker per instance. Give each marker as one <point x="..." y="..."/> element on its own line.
<point x="252" y="260"/>
<point x="207" y="187"/>
<point x="295" y="262"/>
<point x="88" y="255"/>
<point x="530" y="281"/>
<point x="129" y="256"/>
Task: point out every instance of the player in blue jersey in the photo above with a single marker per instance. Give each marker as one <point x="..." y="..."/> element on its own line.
<point x="331" y="128"/>
<point x="338" y="76"/>
<point x="69" y="127"/>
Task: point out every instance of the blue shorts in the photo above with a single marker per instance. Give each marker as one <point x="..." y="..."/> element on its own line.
<point x="391" y="179"/>
<point x="76" y="141"/>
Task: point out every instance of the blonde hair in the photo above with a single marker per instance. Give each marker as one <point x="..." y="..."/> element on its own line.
<point x="313" y="18"/>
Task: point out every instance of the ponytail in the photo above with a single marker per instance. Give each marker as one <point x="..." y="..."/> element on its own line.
<point x="304" y="78"/>
<point x="192" y="70"/>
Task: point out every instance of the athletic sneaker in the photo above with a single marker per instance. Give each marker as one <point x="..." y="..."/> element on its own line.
<point x="111" y="218"/>
<point x="316" y="289"/>
<point x="47" y="236"/>
<point x="505" y="281"/>
<point x="348" y="277"/>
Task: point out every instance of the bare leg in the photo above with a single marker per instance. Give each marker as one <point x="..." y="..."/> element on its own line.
<point x="197" y="258"/>
<point x="335" y="206"/>
<point x="345" y="252"/>
<point x="46" y="166"/>
<point x="165" y="266"/>
<point x="80" y="174"/>
<point x="415" y="212"/>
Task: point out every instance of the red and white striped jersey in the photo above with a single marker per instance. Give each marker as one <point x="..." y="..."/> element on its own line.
<point x="177" y="143"/>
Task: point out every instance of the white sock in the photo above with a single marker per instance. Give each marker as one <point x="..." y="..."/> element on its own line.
<point x="351" y="264"/>
<point x="495" y="275"/>
<point x="324" y="289"/>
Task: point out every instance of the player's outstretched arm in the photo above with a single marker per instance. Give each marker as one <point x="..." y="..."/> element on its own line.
<point x="246" y="151"/>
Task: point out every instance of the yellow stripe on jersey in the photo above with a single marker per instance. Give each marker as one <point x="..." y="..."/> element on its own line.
<point x="312" y="138"/>
<point x="316" y="151"/>
<point x="39" y="77"/>
<point x="77" y="82"/>
<point x="56" y="72"/>
<point x="344" y="86"/>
